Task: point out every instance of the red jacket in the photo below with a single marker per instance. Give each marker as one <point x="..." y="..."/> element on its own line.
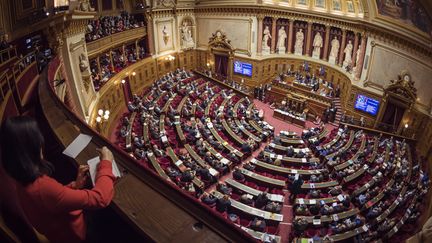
<point x="55" y="210"/>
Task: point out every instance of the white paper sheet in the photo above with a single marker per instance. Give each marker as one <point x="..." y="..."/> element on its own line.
<point x="93" y="163"/>
<point x="77" y="145"/>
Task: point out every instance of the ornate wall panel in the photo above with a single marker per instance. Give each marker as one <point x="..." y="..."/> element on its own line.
<point x="387" y="62"/>
<point x="238" y="30"/>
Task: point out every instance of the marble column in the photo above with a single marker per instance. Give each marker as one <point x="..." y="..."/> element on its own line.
<point x="260" y="34"/>
<point x="111" y="59"/>
<point x="309" y="39"/>
<point x="137" y="50"/>
<point x="356" y="43"/>
<point x="342" y="48"/>
<point x="326" y="43"/>
<point x="290" y="35"/>
<point x="359" y="66"/>
<point x="273" y="33"/>
<point x="150" y="36"/>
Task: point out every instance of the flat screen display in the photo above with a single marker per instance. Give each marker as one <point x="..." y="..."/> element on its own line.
<point x="243" y="68"/>
<point x="367" y="104"/>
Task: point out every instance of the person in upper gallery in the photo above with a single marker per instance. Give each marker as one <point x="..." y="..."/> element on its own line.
<point x="53" y="209"/>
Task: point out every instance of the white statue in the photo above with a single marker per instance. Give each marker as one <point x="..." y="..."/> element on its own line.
<point x="298" y="46"/>
<point x="356" y="68"/>
<point x="334" y="50"/>
<point x="281" y="40"/>
<point x="165" y="35"/>
<point x="317" y="44"/>
<point x="187" y="36"/>
<point x="84" y="5"/>
<point x="83" y="63"/>
<point x="348" y="54"/>
<point x="266" y="38"/>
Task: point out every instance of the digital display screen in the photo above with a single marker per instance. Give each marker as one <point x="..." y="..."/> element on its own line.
<point x="243" y="68"/>
<point x="366" y="104"/>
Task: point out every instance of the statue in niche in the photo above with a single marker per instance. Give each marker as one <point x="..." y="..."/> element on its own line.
<point x="334" y="50"/>
<point x="298" y="46"/>
<point x="348" y="55"/>
<point x="265" y="41"/>
<point x="281" y="40"/>
<point x="83" y="63"/>
<point x="356" y="68"/>
<point x="85" y="6"/>
<point x="186" y="32"/>
<point x="165" y="35"/>
<point x="317" y="44"/>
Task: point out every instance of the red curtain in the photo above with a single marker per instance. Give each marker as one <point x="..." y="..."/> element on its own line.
<point x="221" y="64"/>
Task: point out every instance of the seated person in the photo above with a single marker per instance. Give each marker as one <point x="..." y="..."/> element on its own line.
<point x="187" y="175"/>
<point x="171" y="172"/>
<point x="246" y="199"/>
<point x="224" y="189"/>
<point x="208" y="199"/>
<point x="261" y="200"/>
<point x="273" y="207"/>
<point x="315" y="209"/>
<point x="237" y="175"/>
<point x="258" y="225"/>
<point x="300" y="225"/>
<point x="223" y="203"/>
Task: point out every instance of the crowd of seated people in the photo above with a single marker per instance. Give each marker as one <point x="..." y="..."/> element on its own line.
<point x="389" y="188"/>
<point x="108" y="25"/>
<point x="326" y="205"/>
<point x="109" y="67"/>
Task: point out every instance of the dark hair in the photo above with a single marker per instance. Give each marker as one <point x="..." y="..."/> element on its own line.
<point x="21" y="145"/>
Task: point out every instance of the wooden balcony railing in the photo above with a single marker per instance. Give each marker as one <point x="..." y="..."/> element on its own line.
<point x="117" y="39"/>
<point x="7" y="54"/>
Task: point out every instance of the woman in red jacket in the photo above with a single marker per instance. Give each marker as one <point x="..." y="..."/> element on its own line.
<point x="53" y="209"/>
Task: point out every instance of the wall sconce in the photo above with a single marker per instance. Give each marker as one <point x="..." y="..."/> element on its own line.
<point x="169" y="58"/>
<point x="406" y="125"/>
<point x="133" y="73"/>
<point x="103" y="116"/>
<point x="123" y="81"/>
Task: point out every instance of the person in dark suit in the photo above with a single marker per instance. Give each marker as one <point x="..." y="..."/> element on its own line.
<point x="223" y="203"/>
<point x="258" y="225"/>
<point x="208" y="199"/>
<point x="237" y="175"/>
<point x="261" y="200"/>
<point x="295" y="188"/>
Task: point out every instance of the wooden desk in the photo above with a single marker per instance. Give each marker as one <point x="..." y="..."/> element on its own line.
<point x="347" y="163"/>
<point x="330" y="218"/>
<point x="344" y="148"/>
<point x="129" y="130"/>
<point x="262" y="236"/>
<point x="284" y="149"/>
<point x="263" y="179"/>
<point x="319" y="185"/>
<point x="283" y="170"/>
<point x="252" y="191"/>
<point x="326" y="200"/>
<point x="288" y="117"/>
<point x="234" y="136"/>
<point x="157" y="166"/>
<point x="251" y="210"/>
<point x="293" y="160"/>
<point x="179" y="164"/>
<point x="222" y="141"/>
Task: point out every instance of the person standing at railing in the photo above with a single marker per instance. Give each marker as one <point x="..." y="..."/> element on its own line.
<point x="53" y="209"/>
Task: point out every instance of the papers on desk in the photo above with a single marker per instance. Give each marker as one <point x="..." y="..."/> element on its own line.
<point x="301" y="201"/>
<point x="312" y="201"/>
<point x="213" y="172"/>
<point x="93" y="163"/>
<point x="225" y="161"/>
<point x="164" y="139"/>
<point x="312" y="185"/>
<point x="210" y="125"/>
<point x="294" y="171"/>
<point x="316" y="221"/>
<point x="178" y="163"/>
<point x="279" y="156"/>
<point x="340" y="197"/>
<point x="335" y="217"/>
<point x="365" y="228"/>
<point x="78" y="145"/>
<point x="304" y="160"/>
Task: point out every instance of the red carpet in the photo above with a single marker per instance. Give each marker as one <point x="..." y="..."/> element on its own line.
<point x="280" y="125"/>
